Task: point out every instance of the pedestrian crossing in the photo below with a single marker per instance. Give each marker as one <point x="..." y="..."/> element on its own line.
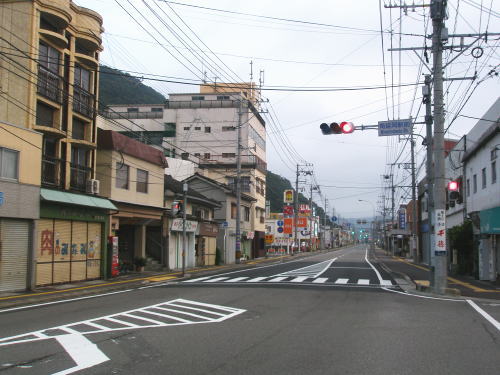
<point x="291" y="279"/>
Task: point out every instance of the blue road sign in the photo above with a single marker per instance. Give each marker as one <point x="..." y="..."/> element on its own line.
<point x="280" y="223"/>
<point x="334" y="218"/>
<point x="394" y="127"/>
<point x="280" y="229"/>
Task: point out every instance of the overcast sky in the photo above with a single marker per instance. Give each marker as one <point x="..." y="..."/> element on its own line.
<point x="314" y="43"/>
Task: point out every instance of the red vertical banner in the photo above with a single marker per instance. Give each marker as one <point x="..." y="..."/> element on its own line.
<point x="288" y="226"/>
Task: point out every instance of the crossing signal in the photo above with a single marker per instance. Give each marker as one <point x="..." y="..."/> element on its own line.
<point x="176" y="208"/>
<point x="344" y="127"/>
<point x="454" y="193"/>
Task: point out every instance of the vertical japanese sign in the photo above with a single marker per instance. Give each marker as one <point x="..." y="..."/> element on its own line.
<point x="288" y="227"/>
<point x="440" y="232"/>
<point x="402" y="219"/>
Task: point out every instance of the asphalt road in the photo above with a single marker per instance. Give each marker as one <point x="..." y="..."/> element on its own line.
<point x="308" y="316"/>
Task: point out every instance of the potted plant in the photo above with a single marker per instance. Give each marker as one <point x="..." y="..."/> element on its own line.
<point x="139" y="263"/>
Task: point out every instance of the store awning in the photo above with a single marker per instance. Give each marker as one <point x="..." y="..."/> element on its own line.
<point x="76" y="199"/>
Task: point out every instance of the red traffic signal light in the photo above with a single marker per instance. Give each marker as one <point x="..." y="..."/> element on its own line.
<point x="344" y="127"/>
<point x="453" y="186"/>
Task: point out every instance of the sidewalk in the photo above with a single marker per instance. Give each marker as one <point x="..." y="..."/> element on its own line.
<point x="420" y="274"/>
<point x="85" y="289"/>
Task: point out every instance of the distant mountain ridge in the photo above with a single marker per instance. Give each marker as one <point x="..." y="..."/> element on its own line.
<point x="117" y="87"/>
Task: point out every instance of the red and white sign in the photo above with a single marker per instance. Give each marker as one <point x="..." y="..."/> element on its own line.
<point x="288" y="226"/>
<point x="440" y="232"/>
<point x="288" y="210"/>
<point x="304" y="210"/>
<point x="302" y="222"/>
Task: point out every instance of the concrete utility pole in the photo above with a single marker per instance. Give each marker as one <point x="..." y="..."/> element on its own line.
<point x="414" y="245"/>
<point x="438" y="13"/>
<point x="296" y="207"/>
<point x="323" y="237"/>
<point x="426" y="93"/>
<point x="311" y="219"/>
<point x="184" y="209"/>
<point x="238" y="184"/>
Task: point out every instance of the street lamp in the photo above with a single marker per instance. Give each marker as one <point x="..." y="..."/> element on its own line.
<point x="372" y="243"/>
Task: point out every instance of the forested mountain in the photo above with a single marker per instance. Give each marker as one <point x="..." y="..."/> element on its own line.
<point x="117" y="87"/>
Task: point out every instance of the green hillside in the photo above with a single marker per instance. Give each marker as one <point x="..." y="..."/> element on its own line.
<point x="117" y="87"/>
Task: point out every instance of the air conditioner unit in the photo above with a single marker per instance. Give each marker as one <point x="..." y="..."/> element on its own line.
<point x="92" y="186"/>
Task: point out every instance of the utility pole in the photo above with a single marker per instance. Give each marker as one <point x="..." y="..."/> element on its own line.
<point x="414" y="244"/>
<point x="438" y="13"/>
<point x="184" y="209"/>
<point x="311" y="219"/>
<point x="323" y="237"/>
<point x="296" y="207"/>
<point x="238" y="183"/>
<point x="426" y="93"/>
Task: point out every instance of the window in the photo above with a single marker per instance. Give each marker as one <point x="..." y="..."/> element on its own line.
<point x="169" y="129"/>
<point x="9" y="160"/>
<point x="185" y="156"/>
<point x="122" y="172"/>
<point x="222" y="97"/>
<point x="197" y="97"/>
<point x="80" y="173"/>
<point x="208" y="129"/>
<point x="246" y="213"/>
<point x="169" y="153"/>
<point x="133" y="110"/>
<point x="78" y="129"/>
<point x="44" y="115"/>
<point x="207" y="155"/>
<point x="197" y="128"/>
<point x="493" y="172"/>
<point x="49" y="58"/>
<point x="233" y="211"/>
<point x="82" y="79"/>
<point x="142" y="181"/>
<point x="228" y="128"/>
<point x="483" y="178"/>
<point x="197" y="154"/>
<point x="82" y="101"/>
<point x="156" y="109"/>
<point x="474" y="183"/>
<point x="228" y="155"/>
<point x="468" y="187"/>
<point x="494" y="154"/>
<point x="245" y="184"/>
<point x="186" y="128"/>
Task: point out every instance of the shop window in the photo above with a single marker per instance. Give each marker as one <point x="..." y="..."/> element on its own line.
<point x="142" y="181"/>
<point x="9" y="163"/>
<point x="122" y="174"/>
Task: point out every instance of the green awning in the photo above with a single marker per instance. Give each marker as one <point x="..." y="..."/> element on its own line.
<point x="490" y="220"/>
<point x="76" y="199"/>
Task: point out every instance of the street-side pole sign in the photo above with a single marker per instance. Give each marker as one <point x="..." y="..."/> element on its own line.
<point x="394" y="127"/>
<point x="440" y="232"/>
<point x="288" y="196"/>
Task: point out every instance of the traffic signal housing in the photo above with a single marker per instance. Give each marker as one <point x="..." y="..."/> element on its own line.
<point x="344" y="127"/>
<point x="176" y="208"/>
<point x="454" y="191"/>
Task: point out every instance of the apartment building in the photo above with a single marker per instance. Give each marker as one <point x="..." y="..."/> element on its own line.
<point x="49" y="83"/>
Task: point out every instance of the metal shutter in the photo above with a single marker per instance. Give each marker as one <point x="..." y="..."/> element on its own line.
<point x="45" y="252"/>
<point x="14" y="248"/>
<point x="62" y="251"/>
<point x="79" y="251"/>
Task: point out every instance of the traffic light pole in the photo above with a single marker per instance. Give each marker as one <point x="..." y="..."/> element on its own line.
<point x="184" y="209"/>
<point x="438" y="12"/>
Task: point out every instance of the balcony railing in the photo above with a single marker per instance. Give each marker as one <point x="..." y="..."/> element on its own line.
<point x="79" y="175"/>
<point x="83" y="102"/>
<point x="252" y="161"/>
<point x="48" y="85"/>
<point x="52" y="172"/>
<point x="132" y="115"/>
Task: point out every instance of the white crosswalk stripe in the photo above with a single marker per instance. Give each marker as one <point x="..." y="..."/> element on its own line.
<point x="294" y="279"/>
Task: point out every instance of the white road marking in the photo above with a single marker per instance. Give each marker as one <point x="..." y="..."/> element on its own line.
<point x="256" y="279"/>
<point x="485" y="315"/>
<point x="313" y="270"/>
<point x="277" y="279"/>
<point x="236" y="279"/>
<point x="386" y="283"/>
<point x="215" y="280"/>
<point x="363" y="282"/>
<point x="84" y="352"/>
<point x="320" y="280"/>
<point x="371" y="265"/>
<point x="299" y="279"/>
<point x="341" y="281"/>
<point x="197" y="279"/>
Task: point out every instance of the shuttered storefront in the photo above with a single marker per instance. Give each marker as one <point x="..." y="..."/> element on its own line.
<point x="14" y="249"/>
<point x="68" y="251"/>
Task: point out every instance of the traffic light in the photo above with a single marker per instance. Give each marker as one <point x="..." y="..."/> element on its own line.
<point x="344" y="127"/>
<point x="176" y="208"/>
<point x="454" y="193"/>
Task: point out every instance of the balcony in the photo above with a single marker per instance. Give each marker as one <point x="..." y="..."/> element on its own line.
<point x="247" y="161"/>
<point x="133" y="115"/>
<point x="48" y="85"/>
<point x="79" y="175"/>
<point x="83" y="102"/>
<point x="52" y="172"/>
